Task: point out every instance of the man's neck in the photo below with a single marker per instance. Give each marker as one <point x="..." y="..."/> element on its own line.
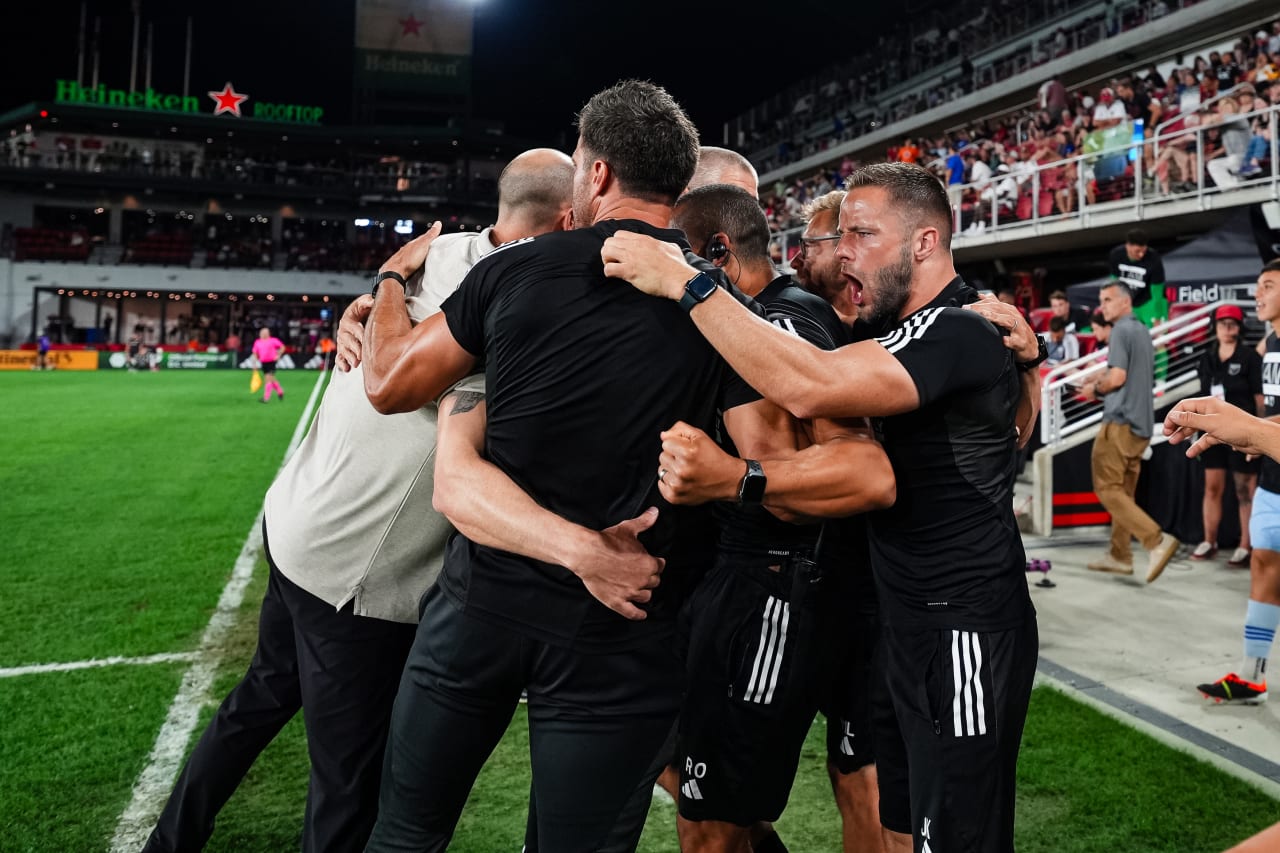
<point x="925" y="287"/>
<point x="753" y="281"/>
<point x="652" y="213"/>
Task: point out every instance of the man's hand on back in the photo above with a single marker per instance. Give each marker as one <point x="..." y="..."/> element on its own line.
<point x="1018" y="334"/>
<point x="351" y="332"/>
<point x="652" y="266"/>
<point x="616" y="568"/>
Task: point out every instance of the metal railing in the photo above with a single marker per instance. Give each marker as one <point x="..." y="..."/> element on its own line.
<point x="1124" y="176"/>
<point x="1180" y="345"/>
<point x="1005" y="57"/>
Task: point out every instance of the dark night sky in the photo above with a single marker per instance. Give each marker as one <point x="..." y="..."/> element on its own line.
<point x="535" y="61"/>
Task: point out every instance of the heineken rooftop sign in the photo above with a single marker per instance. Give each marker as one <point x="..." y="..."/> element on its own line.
<point x="226" y="101"/>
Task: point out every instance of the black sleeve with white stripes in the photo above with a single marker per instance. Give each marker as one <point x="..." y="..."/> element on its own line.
<point x="807" y="316"/>
<point x="946" y="350"/>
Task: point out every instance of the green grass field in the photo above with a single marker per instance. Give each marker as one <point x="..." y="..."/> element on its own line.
<point x="127" y="498"/>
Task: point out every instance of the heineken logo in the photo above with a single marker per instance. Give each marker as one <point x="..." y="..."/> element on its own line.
<point x="227" y="101"/>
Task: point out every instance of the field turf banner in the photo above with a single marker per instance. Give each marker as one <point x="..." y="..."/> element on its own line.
<point x="197" y="360"/>
<point x="172" y="360"/>
<point x="61" y="359"/>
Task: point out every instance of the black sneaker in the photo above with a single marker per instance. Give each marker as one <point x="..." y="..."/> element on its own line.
<point x="1234" y="690"/>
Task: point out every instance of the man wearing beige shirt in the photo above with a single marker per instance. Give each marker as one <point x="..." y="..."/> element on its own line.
<point x="352" y="544"/>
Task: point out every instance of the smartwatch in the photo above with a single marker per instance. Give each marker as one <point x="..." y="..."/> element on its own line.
<point x="1041" y="357"/>
<point x="751" y="489"/>
<point x="383" y="276"/>
<point x="696" y="290"/>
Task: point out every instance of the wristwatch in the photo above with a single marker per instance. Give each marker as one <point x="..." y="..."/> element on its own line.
<point x="1041" y="357"/>
<point x="751" y="489"/>
<point x="696" y="290"/>
<point x="383" y="276"/>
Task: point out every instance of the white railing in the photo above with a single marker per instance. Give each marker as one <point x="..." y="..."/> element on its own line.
<point x="1124" y="177"/>
<point x="1179" y="344"/>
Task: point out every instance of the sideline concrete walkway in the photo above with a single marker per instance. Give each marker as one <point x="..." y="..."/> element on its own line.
<point x="1137" y="650"/>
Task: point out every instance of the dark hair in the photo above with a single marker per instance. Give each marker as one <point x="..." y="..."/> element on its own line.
<point x="1136" y="236"/>
<point x="645" y="137"/>
<point x="726" y="208"/>
<point x="1058" y="294"/>
<point x="1272" y="265"/>
<point x="915" y="191"/>
<point x="1057" y="324"/>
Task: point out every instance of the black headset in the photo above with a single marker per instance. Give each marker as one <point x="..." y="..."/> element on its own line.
<point x="716" y="249"/>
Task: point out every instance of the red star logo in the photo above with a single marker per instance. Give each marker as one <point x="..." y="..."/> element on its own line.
<point x="228" y="101"/>
<point x="411" y="25"/>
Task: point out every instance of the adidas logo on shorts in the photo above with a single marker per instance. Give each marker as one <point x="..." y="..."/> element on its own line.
<point x="690" y="791"/>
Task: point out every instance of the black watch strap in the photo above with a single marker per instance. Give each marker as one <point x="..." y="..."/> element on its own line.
<point x="696" y="290"/>
<point x="383" y="276"/>
<point x="751" y="489"/>
<point x="1041" y="357"/>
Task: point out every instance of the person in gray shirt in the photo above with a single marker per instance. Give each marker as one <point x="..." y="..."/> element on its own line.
<point x="1128" y="416"/>
<point x="1235" y="135"/>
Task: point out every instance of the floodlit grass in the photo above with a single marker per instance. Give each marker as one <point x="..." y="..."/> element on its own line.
<point x="127" y="498"/>
<point x="71" y="746"/>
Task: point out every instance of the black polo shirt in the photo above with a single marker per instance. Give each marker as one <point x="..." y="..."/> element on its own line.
<point x="582" y="374"/>
<point x="753" y="531"/>
<point x="948" y="553"/>
<point x="1240" y="375"/>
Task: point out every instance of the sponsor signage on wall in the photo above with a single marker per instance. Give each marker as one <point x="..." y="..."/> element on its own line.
<point x="60" y="359"/>
<point x="226" y="101"/>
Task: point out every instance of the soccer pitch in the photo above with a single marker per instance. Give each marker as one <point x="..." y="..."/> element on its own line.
<point x="128" y="498"/>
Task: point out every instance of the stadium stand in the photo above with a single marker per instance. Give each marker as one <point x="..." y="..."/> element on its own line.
<point x="194" y="229"/>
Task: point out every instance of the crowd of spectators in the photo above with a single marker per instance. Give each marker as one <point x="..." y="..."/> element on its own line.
<point x="360" y="172"/>
<point x="988" y="165"/>
<point x="856" y="97"/>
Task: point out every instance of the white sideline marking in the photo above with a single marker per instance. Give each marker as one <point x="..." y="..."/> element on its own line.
<point x="94" y="663"/>
<point x="157" y="777"/>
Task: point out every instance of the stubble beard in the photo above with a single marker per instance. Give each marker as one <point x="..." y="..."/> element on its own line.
<point x="891" y="290"/>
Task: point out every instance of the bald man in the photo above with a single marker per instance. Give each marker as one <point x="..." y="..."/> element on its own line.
<point x="722" y="166"/>
<point x="352" y="543"/>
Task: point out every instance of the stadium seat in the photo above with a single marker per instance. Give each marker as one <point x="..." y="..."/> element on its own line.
<point x="1040" y="319"/>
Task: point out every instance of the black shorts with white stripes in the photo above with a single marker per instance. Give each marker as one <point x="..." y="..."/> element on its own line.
<point x="947" y="715"/>
<point x="754" y="664"/>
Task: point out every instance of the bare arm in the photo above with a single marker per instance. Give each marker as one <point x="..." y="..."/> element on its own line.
<point x="1112" y="379"/>
<point x="784" y="368"/>
<point x="408" y="366"/>
<point x="1221" y="423"/>
<point x="1028" y="405"/>
<point x="842" y="473"/>
<point x="490" y="509"/>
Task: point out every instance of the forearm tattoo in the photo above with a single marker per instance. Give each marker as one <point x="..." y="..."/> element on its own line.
<point x="466" y="401"/>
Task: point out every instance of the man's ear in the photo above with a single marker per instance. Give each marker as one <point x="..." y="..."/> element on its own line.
<point x="925" y="243"/>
